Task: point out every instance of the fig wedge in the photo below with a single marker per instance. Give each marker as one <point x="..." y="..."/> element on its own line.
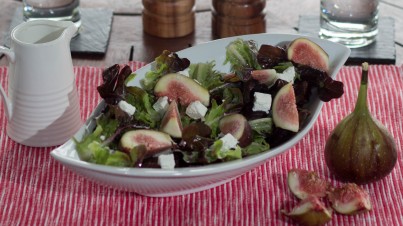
<point x="306" y="52"/>
<point x="154" y="141"/>
<point x="350" y="199"/>
<point x="285" y="113"/>
<point x="182" y="89"/>
<point x="310" y="212"/>
<point x="237" y="126"/>
<point x="171" y="122"/>
<point x="304" y="183"/>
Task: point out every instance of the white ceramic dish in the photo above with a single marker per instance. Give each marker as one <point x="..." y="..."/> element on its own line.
<point x="159" y="182"/>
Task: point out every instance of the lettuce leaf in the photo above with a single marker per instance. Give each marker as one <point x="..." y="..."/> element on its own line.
<point x="258" y="145"/>
<point x="218" y="152"/>
<point x="213" y="117"/>
<point x="167" y="62"/>
<point x="143" y="102"/>
<point x="205" y="74"/>
<point x="241" y="55"/>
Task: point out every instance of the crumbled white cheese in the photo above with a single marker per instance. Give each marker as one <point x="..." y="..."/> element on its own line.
<point x="161" y="105"/>
<point x="126" y="107"/>
<point x="288" y="74"/>
<point x="196" y="110"/>
<point x="166" y="161"/>
<point x="262" y="102"/>
<point x="229" y="141"/>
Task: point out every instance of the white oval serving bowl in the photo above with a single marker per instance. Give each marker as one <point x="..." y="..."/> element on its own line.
<point x="179" y="181"/>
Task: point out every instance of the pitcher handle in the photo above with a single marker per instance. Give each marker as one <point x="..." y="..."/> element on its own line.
<point x="7" y="103"/>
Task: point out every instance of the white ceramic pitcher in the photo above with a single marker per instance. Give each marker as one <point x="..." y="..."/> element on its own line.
<point x="42" y="105"/>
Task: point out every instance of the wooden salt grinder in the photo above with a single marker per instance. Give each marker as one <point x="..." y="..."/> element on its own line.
<point x="168" y="18"/>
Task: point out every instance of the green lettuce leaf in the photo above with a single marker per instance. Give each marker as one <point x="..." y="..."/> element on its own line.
<point x="218" y="152"/>
<point x="143" y="103"/>
<point x="205" y="74"/>
<point x="258" y="145"/>
<point x="213" y="117"/>
<point x="241" y="54"/>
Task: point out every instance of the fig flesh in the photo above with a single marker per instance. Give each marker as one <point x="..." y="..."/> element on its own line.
<point x="182" y="89"/>
<point x="304" y="183"/>
<point x="360" y="149"/>
<point x="350" y="199"/>
<point x="154" y="141"/>
<point x="237" y="126"/>
<point x="285" y="112"/>
<point x="310" y="211"/>
<point x="306" y="52"/>
<point x="171" y="122"/>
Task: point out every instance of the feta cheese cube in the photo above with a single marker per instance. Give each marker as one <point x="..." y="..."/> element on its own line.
<point x="288" y="74"/>
<point x="161" y="105"/>
<point x="262" y="102"/>
<point x="166" y="161"/>
<point x="229" y="141"/>
<point x="196" y="110"/>
<point x="126" y="107"/>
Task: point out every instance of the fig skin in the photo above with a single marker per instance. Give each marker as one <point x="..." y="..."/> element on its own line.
<point x="310" y="212"/>
<point x="360" y="149"/>
<point x="306" y="52"/>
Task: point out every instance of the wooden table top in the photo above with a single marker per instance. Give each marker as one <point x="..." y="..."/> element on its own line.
<point x="127" y="29"/>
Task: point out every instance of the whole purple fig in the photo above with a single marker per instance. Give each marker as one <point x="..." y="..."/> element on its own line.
<point x="360" y="149"/>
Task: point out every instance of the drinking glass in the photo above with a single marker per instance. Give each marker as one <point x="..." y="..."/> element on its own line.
<point x="67" y="10"/>
<point x="353" y="23"/>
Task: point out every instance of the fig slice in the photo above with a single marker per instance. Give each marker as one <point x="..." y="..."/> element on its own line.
<point x="285" y="113"/>
<point x="306" y="52"/>
<point x="171" y="122"/>
<point x="182" y="89"/>
<point x="237" y="126"/>
<point x="350" y="199"/>
<point x="310" y="211"/>
<point x="304" y="183"/>
<point x="154" y="141"/>
<point x="265" y="76"/>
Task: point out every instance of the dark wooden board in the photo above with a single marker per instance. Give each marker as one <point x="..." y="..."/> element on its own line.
<point x="382" y="51"/>
<point x="94" y="31"/>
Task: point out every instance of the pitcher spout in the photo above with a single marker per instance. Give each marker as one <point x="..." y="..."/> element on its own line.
<point x="71" y="29"/>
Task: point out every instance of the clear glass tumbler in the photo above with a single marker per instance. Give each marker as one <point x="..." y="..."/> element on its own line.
<point x="67" y="10"/>
<point x="353" y="23"/>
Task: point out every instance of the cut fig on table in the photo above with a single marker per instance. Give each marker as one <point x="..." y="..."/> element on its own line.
<point x="237" y="126"/>
<point x="171" y="122"/>
<point x="306" y="52"/>
<point x="310" y="212"/>
<point x="285" y="112"/>
<point x="304" y="183"/>
<point x="182" y="89"/>
<point x="350" y="199"/>
<point x="154" y="141"/>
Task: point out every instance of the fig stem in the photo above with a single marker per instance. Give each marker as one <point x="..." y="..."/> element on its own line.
<point x="361" y="105"/>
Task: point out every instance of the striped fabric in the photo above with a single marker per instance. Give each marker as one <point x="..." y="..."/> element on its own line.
<point x="36" y="190"/>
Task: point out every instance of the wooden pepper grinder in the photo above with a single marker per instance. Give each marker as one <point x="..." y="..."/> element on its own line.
<point x="168" y="18"/>
<point x="238" y="17"/>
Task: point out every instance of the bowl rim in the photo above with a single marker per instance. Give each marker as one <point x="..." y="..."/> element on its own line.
<point x="209" y="169"/>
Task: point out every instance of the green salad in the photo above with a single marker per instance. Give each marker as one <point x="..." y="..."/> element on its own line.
<point x="189" y="114"/>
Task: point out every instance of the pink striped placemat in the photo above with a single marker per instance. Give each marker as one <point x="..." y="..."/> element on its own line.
<point x="36" y="190"/>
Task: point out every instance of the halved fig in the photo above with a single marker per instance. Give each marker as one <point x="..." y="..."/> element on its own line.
<point x="171" y="122"/>
<point x="304" y="183"/>
<point x="350" y="199"/>
<point x="285" y="113"/>
<point x="182" y="89"/>
<point x="237" y="126"/>
<point x="306" y="52"/>
<point x="310" y="211"/>
<point x="154" y="141"/>
<point x="265" y="76"/>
